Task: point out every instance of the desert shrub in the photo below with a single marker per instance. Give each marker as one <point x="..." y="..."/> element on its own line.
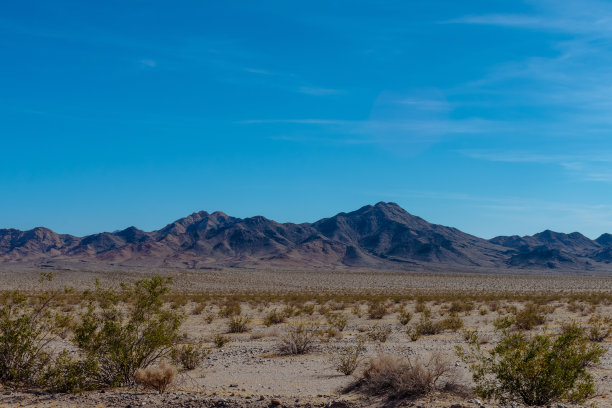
<point x="337" y="320"/>
<point x="210" y="317"/>
<point x="66" y="374"/>
<point x="420" y="306"/>
<point x="377" y="310"/>
<point x="347" y="358"/>
<point x="404" y="317"/>
<point x="377" y="333"/>
<point x="308" y="309"/>
<point x="503" y="322"/>
<point x="483" y="311"/>
<point x="157" y="378"/>
<point x="356" y="310"/>
<point x="230" y="308"/>
<point x="297" y="340"/>
<point x="453" y="322"/>
<point x="599" y="328"/>
<point x="274" y="317"/>
<point x="425" y="327"/>
<point x="402" y="378"/>
<point x="529" y="317"/>
<point x="289" y="311"/>
<point x="189" y="356"/>
<point x="458" y="306"/>
<point x="220" y="340"/>
<point x="25" y="331"/>
<point x="238" y="324"/>
<point x="536" y="370"/>
<point x="198" y="308"/>
<point x="124" y="331"/>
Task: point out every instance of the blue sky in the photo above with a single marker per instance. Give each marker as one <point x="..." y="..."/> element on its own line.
<point x="494" y="117"/>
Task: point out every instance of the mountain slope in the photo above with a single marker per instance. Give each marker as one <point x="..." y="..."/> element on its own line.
<point x="376" y="236"/>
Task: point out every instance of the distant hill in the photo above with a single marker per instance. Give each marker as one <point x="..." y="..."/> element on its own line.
<point x="383" y="236"/>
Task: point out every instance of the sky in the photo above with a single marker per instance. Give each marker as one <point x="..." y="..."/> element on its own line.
<point x="494" y="117"/>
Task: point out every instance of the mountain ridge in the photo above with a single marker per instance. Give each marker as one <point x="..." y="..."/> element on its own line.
<point x="382" y="236"/>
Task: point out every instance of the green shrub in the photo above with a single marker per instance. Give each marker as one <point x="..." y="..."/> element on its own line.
<point x="238" y="324"/>
<point x="189" y="356"/>
<point x="377" y="333"/>
<point x="220" y="340"/>
<point x="125" y="331"/>
<point x="404" y="317"/>
<point x="230" y="308"/>
<point x="274" y="317"/>
<point x="337" y="320"/>
<point x="599" y="328"/>
<point x="528" y="318"/>
<point x="453" y="322"/>
<point x="536" y="370"/>
<point x="67" y="374"/>
<point x="503" y="322"/>
<point x="26" y="329"/>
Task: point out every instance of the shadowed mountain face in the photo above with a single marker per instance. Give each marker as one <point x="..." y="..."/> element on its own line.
<point x="381" y="236"/>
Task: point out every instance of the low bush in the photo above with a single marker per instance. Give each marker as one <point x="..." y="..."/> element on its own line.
<point x="238" y="324"/>
<point x="600" y="328"/>
<point x="157" y="378"/>
<point x="189" y="356"/>
<point x="377" y="310"/>
<point x="402" y="378"/>
<point x="274" y="317"/>
<point x="220" y="340"/>
<point x="377" y="333"/>
<point x="347" y="358"/>
<point x="535" y="370"/>
<point x="529" y="317"/>
<point x="337" y="320"/>
<point x="297" y="340"/>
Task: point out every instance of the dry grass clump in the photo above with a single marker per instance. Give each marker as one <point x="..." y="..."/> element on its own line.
<point x="347" y="358"/>
<point x="403" y="378"/>
<point x="297" y="340"/>
<point x="157" y="378"/>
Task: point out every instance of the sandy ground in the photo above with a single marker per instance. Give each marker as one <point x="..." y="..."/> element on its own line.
<point x="248" y="371"/>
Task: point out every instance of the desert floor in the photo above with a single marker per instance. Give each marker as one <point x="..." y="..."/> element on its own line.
<point x="249" y="370"/>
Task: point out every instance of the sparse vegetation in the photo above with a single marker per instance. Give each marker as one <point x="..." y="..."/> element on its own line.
<point x="402" y="378"/>
<point x="297" y="339"/>
<point x="347" y="358"/>
<point x="238" y="324"/>
<point x="189" y="356"/>
<point x="535" y="370"/>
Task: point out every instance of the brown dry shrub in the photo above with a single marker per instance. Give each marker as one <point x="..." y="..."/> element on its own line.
<point x="157" y="378"/>
<point x="403" y="378"/>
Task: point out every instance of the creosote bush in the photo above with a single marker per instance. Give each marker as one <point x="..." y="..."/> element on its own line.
<point x="377" y="310"/>
<point x="125" y="331"/>
<point x="220" y="340"/>
<point x="529" y="317"/>
<point x="189" y="356"/>
<point x="274" y="317"/>
<point x="238" y="324"/>
<point x="26" y="328"/>
<point x="157" y="378"/>
<point x="535" y="370"/>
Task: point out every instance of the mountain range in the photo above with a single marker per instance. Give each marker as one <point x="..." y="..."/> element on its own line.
<point x="381" y="236"/>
